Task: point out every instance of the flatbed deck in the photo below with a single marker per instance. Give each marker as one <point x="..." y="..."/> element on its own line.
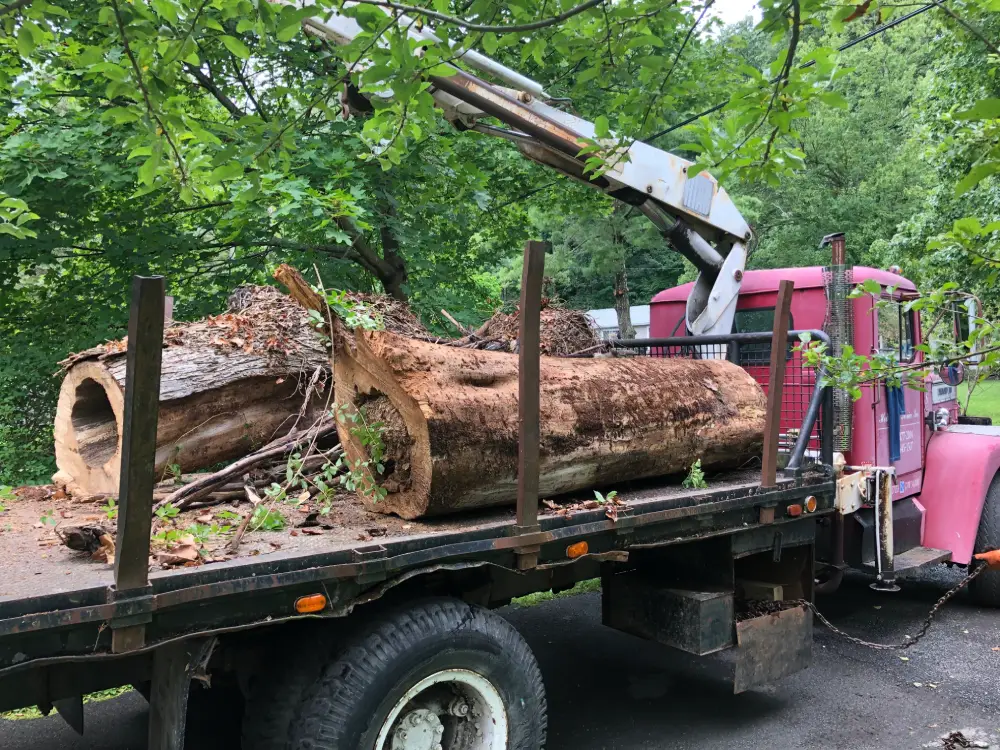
<point x="77" y="608"/>
<point x="36" y="559"/>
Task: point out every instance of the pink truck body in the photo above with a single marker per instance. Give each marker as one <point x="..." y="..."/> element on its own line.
<point x="945" y="472"/>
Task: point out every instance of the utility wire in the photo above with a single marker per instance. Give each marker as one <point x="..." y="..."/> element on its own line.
<point x="863" y="38"/>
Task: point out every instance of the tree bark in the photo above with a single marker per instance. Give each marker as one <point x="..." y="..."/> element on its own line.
<point x="228" y="385"/>
<point x="623" y="303"/>
<point x="450" y="420"/>
<point x="623" y="306"/>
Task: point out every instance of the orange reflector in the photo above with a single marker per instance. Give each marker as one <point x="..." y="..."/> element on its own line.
<point x="577" y="550"/>
<point x="794" y="510"/>
<point x="312" y="603"/>
<point x="810" y="504"/>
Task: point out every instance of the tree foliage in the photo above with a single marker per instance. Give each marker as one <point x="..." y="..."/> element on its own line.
<point x="208" y="139"/>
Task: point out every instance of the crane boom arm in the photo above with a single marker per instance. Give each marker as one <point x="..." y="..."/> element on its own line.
<point x="693" y="213"/>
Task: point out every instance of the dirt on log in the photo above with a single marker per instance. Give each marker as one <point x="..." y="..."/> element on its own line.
<point x="229" y="384"/>
<point x="450" y="416"/>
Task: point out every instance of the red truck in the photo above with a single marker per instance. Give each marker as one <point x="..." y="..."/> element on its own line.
<point x="942" y="465"/>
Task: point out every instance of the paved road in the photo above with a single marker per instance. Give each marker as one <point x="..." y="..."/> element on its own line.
<point x="609" y="691"/>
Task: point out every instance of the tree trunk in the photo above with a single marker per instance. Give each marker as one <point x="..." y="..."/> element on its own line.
<point x="450" y="430"/>
<point x="623" y="306"/>
<point x="222" y="395"/>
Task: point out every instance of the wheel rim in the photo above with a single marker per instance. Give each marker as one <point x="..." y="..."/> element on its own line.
<point x="453" y="709"/>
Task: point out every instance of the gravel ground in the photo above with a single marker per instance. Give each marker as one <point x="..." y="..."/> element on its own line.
<point x="609" y="691"/>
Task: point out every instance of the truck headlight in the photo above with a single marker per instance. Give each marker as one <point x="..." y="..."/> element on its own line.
<point x="941" y="417"/>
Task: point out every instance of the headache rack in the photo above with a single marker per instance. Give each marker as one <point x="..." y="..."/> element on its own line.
<point x="805" y="433"/>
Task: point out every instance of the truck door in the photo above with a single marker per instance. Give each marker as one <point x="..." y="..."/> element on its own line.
<point x="895" y="336"/>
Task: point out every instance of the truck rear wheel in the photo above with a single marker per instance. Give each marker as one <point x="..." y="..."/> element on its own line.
<point x="433" y="675"/>
<point x="985" y="589"/>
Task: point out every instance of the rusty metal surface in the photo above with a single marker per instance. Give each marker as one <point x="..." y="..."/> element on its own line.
<point x="775" y="384"/>
<point x="772" y="646"/>
<point x="241" y="576"/>
<point x="494" y="102"/>
<point x="528" y="402"/>
<point x="881" y="489"/>
<point x="142" y="402"/>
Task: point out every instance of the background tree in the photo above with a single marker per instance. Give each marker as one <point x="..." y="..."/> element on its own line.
<point x="206" y="140"/>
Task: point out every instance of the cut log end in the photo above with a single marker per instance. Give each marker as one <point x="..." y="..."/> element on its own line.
<point x="88" y="429"/>
<point x="94" y="424"/>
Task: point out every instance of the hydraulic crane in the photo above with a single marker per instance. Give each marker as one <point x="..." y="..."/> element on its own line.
<point x="692" y="212"/>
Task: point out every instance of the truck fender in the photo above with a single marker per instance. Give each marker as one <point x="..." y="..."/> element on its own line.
<point x="958" y="472"/>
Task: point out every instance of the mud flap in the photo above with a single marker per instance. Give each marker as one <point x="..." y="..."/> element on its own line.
<point x="772" y="646"/>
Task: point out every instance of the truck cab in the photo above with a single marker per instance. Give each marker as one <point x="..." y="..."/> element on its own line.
<point x="941" y="466"/>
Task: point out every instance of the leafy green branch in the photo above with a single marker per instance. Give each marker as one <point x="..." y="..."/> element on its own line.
<point x="14" y="214"/>
<point x="150" y="109"/>
<point x="945" y="309"/>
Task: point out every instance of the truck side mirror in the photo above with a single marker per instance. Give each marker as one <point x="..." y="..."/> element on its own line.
<point x="952" y="374"/>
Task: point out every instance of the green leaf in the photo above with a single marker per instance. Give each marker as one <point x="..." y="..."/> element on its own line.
<point x="236" y="46"/>
<point x="833" y="99"/>
<point x="147" y="172"/>
<point x="601" y="127"/>
<point x="25" y="41"/>
<point x="589" y="74"/>
<point x="490" y="42"/>
<point x="232" y="170"/>
<point x="289" y="32"/>
<point x="976" y="175"/>
<point x="841" y="13"/>
<point x="645" y="40"/>
<point x="110" y="70"/>
<point x="653" y="62"/>
<point x="121" y="115"/>
<point x="984" y="109"/>
<point x="165" y="9"/>
<point x="967" y="225"/>
<point x="871" y="286"/>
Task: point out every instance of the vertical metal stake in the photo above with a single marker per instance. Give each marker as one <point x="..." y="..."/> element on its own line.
<point x="528" y="409"/>
<point x="885" y="562"/>
<point x="775" y="384"/>
<point x="135" y="487"/>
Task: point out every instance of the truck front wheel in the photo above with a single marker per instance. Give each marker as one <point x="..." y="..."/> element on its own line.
<point x="433" y="675"/>
<point x="985" y="589"/>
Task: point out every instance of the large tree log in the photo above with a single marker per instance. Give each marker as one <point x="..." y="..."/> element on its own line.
<point x="229" y="384"/>
<point x="450" y="420"/>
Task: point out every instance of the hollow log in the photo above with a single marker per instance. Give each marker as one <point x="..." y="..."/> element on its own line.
<point x="449" y="419"/>
<point x="229" y="384"/>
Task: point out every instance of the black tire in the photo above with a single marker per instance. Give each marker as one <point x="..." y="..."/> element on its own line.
<point x="276" y="692"/>
<point x="345" y="708"/>
<point x="985" y="589"/>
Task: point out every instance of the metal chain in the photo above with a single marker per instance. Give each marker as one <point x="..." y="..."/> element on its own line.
<point x="910" y="641"/>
